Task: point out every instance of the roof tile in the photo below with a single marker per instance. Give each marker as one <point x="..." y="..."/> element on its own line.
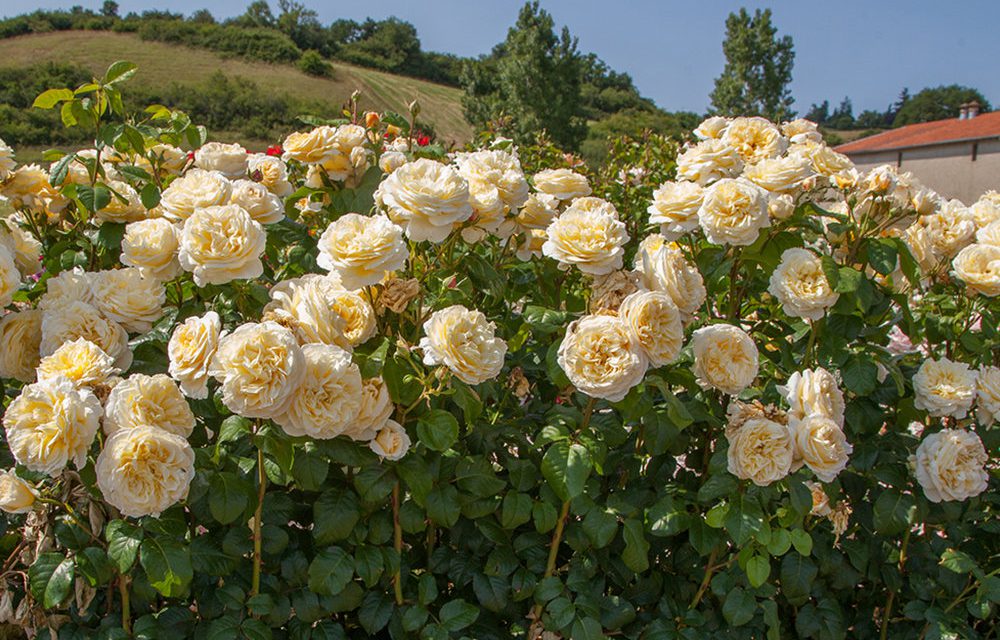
<point x="985" y="125"/>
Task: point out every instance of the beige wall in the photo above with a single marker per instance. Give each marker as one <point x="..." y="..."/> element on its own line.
<point x="946" y="168"/>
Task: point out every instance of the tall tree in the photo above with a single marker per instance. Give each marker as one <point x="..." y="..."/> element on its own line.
<point x="758" y="68"/>
<point x="938" y="103"/>
<point x="533" y="78"/>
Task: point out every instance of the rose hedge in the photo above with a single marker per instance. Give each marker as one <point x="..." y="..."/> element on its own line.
<point x="359" y="387"/>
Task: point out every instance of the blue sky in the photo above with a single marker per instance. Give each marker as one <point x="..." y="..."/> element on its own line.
<point x="865" y="49"/>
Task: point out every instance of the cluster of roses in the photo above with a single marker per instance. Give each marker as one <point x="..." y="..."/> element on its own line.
<point x="294" y="366"/>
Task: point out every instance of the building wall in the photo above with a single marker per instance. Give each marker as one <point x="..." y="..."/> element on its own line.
<point x="947" y="168"/>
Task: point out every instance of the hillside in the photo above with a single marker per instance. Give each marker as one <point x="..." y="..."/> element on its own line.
<point x="159" y="62"/>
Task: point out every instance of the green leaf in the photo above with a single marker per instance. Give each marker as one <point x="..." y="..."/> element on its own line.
<point x="119" y="72"/>
<point x="516" y="510"/>
<point x="438" y="430"/>
<point x="744" y="519"/>
<point x="93" y="198"/>
<point x="330" y="571"/>
<point x="95" y="566"/>
<point x="780" y="542"/>
<point x="566" y="468"/>
<point x="758" y="569"/>
<point x="167" y="565"/>
<point x="587" y="629"/>
<point x="636" y="554"/>
<point x="457" y="615"/>
<point x="335" y="515"/>
<point x="491" y="591"/>
<point x="233" y="428"/>
<point x="309" y="470"/>
<point x="227" y="498"/>
<point x="882" y="255"/>
<point x="860" y="375"/>
<point x="802" y="541"/>
<point x="600" y="526"/>
<point x="123" y="544"/>
<point x="739" y="607"/>
<point x="893" y="512"/>
<point x="150" y="196"/>
<point x="52" y="97"/>
<point x="959" y="562"/>
<point x="443" y="507"/>
<point x="666" y="519"/>
<point x="797" y="575"/>
<point x="375" y="611"/>
<point x="51" y="579"/>
<point x="57" y="175"/>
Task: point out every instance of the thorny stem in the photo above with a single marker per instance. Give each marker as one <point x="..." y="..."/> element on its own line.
<point x="397" y="541"/>
<point x="710" y="568"/>
<point x="884" y="632"/>
<point x="258" y="515"/>
<point x="126" y="608"/>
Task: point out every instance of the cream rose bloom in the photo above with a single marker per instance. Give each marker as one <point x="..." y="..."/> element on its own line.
<point x="191" y="349"/>
<point x="124" y="206"/>
<point x="708" y="161"/>
<point x="821" y="444"/>
<point x="308" y="306"/>
<point x="978" y="266"/>
<point x="562" y="184"/>
<point x="464" y="341"/>
<point x="195" y="190"/>
<point x="391" y="160"/>
<point x="801" y="130"/>
<point x="755" y="139"/>
<point x="329" y="399"/>
<point x="144" y="470"/>
<point x="761" y="451"/>
<point x="21" y="337"/>
<point x="990" y="234"/>
<point x="51" y="424"/>
<point x="950" y="465"/>
<point x="362" y="249"/>
<point x="984" y="212"/>
<point x="151" y="246"/>
<point x="800" y="285"/>
<point x="81" y="361"/>
<point x="733" y="212"/>
<point x="950" y="230"/>
<point x="270" y="172"/>
<point x="944" y="388"/>
<point x="711" y="128"/>
<point x="497" y="186"/>
<point x="228" y="159"/>
<point x="725" y="358"/>
<point x="312" y="147"/>
<point x="7" y="162"/>
<point x="428" y="199"/>
<point x="125" y="296"/>
<point x="357" y="314"/>
<point x="262" y="205"/>
<point x="601" y="358"/>
<point x="655" y="325"/>
<point x="169" y="158"/>
<point x="74" y="319"/>
<point x="827" y="162"/>
<point x="813" y="392"/>
<point x="675" y="208"/>
<point x="153" y="401"/>
<point x="28" y="187"/>
<point x="16" y="495"/>
<point x="27" y="251"/>
<point x="662" y="267"/>
<point x="220" y="244"/>
<point x="780" y="175"/>
<point x="259" y="366"/>
<point x="376" y="409"/>
<point x="10" y="276"/>
<point x="780" y="206"/>
<point x="588" y="236"/>
<point x="391" y="442"/>
<point x="988" y="395"/>
<point x="69" y="286"/>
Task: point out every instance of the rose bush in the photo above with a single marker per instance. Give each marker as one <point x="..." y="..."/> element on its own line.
<point x="364" y="387"/>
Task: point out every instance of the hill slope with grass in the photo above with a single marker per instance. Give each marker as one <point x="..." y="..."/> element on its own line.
<point x="161" y="64"/>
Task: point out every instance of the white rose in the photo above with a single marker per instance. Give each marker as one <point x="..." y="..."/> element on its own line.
<point x="153" y="401"/>
<point x="220" y="244"/>
<point x="329" y="399"/>
<point x="124" y="206"/>
<point x="144" y="470"/>
<point x="29" y="188"/>
<point x="801" y="130"/>
<point x="194" y="190"/>
<point x="950" y="465"/>
<point x="464" y="341"/>
<point x="497" y="185"/>
<point x="984" y="212"/>
<point x="881" y="179"/>
<point x="988" y="395"/>
<point x="989" y="234"/>
<point x="655" y="325"/>
<point x="944" y="388"/>
<point x="358" y="316"/>
<point x="10" y="276"/>
<point x="391" y="160"/>
<point x="170" y="159"/>
<point x="308" y="306"/>
<point x="662" y="267"/>
<point x="590" y="237"/>
<point x="711" y="128"/>
<point x="761" y="451"/>
<point x="675" y="208"/>
<point x="191" y="349"/>
<point x="270" y="172"/>
<point x="51" y="424"/>
<point x="81" y="361"/>
<point x="152" y="246"/>
<point x="21" y="337"/>
<point x="27" y="251"/>
<point x="755" y="139"/>
<point x="950" y="230"/>
<point x="391" y="442"/>
<point x="262" y="205"/>
<point x="376" y="409"/>
<point x="7" y="162"/>
<point x="563" y="184"/>
<point x="69" y="286"/>
<point x="428" y="199"/>
<point x="362" y="249"/>
<point x="780" y="175"/>
<point x="978" y="266"/>
<point x="780" y="207"/>
<point x="725" y="358"/>
<point x="800" y="285"/>
<point x="813" y="392"/>
<point x="16" y="495"/>
<point x="733" y="212"/>
<point x="125" y="296"/>
<point x="708" y="161"/>
<point x="228" y="159"/>
<point x="826" y="161"/>
<point x="600" y="357"/>
<point x="821" y="444"/>
<point x="259" y="366"/>
<point x="311" y="147"/>
<point x="74" y="319"/>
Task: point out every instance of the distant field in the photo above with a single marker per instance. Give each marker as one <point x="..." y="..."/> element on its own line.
<point x="159" y="62"/>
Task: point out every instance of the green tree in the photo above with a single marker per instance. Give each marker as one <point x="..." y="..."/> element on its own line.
<point x="758" y="68"/>
<point x="843" y="116"/>
<point x="533" y="78"/>
<point x="109" y="9"/>
<point x="258" y="14"/>
<point x="938" y="103"/>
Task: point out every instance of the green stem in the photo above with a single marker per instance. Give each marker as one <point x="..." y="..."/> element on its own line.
<point x="258" y="515"/>
<point x="397" y="541"/>
<point x="884" y="631"/>
<point x="710" y="568"/>
<point x="126" y="607"/>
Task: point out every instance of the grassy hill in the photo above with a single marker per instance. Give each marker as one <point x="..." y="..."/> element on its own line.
<point x="159" y="62"/>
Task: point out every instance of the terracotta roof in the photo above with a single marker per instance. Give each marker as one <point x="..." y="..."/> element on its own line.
<point x="986" y="125"/>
